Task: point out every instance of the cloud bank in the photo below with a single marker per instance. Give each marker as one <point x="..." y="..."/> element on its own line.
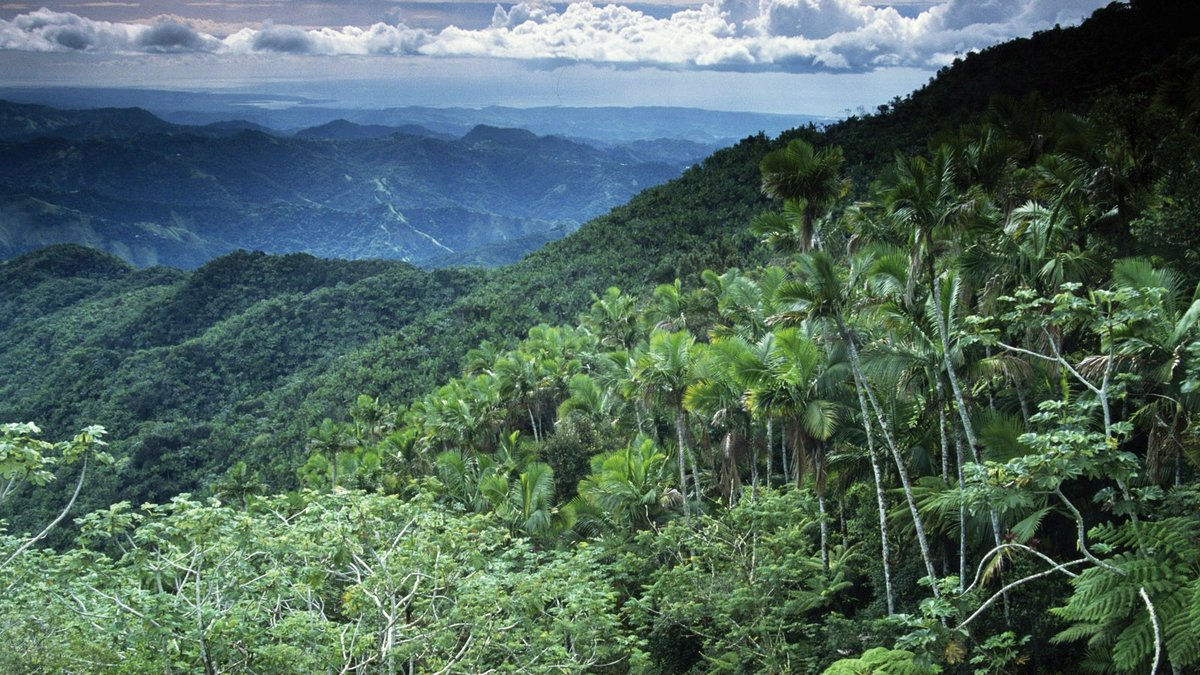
<point x="740" y="35"/>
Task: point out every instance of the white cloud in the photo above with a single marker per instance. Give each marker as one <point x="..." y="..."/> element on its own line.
<point x="815" y="19"/>
<point x="788" y="35"/>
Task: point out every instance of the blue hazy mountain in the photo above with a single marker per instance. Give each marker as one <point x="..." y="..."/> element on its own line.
<point x="288" y="114"/>
<point x="153" y="192"/>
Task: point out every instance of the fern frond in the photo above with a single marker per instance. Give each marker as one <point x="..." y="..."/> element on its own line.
<point x="1080" y="631"/>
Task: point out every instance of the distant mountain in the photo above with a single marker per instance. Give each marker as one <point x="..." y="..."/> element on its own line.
<point x="607" y="125"/>
<point x="289" y="114"/>
<point x="233" y="126"/>
<point x="152" y="192"/>
<point x="18" y="122"/>
<point x="342" y="130"/>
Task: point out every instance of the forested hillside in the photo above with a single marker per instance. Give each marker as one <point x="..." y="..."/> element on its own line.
<point x="850" y="410"/>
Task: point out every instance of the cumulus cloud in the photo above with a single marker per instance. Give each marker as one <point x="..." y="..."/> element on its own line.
<point x="790" y="35"/>
<point x="377" y="40"/>
<point x="46" y="31"/>
<point x="285" y="39"/>
<point x="174" y="36"/>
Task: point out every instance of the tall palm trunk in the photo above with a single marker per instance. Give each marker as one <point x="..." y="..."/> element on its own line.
<point x="962" y="509"/>
<point x="533" y="424"/>
<point x="962" y="502"/>
<point x="753" y="466"/>
<point x="695" y="475"/>
<point x="880" y="500"/>
<point x="906" y="482"/>
<point x="682" y="451"/>
<point x="819" y="483"/>
<point x="960" y="401"/>
<point x="770" y="448"/>
<point x="783" y="456"/>
<point x="800" y="450"/>
<point x="731" y="467"/>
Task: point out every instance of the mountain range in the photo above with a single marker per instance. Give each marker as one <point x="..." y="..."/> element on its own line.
<point x="287" y="113"/>
<point x="152" y="192"/>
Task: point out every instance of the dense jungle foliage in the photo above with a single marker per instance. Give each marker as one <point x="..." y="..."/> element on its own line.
<point x="941" y="420"/>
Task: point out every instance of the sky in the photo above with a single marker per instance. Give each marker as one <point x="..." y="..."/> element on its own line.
<point x="819" y="57"/>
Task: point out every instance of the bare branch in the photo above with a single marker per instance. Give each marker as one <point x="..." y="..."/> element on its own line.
<point x="1000" y="593"/>
<point x="53" y="523"/>
<point x="1154" y="622"/>
<point x="1081" y="532"/>
<point x="996" y="550"/>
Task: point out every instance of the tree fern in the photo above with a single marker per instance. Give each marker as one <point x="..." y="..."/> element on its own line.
<point x="1107" y="609"/>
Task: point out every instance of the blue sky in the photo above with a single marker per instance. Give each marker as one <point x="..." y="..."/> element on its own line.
<point x="822" y="57"/>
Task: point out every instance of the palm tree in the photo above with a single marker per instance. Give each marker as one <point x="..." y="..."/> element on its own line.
<point x="585" y="396"/>
<point x="531" y="501"/>
<point x="785" y="230"/>
<point x="792" y="382"/>
<point x="716" y="397"/>
<point x="371" y="418"/>
<point x="807" y="181"/>
<point x="518" y="381"/>
<point x="1154" y="346"/>
<point x="627" y="486"/>
<point x="745" y="364"/>
<point x="739" y="300"/>
<point x="613" y="319"/>
<point x="240" y="483"/>
<point x="664" y="371"/>
<point x="922" y="195"/>
<point x="824" y="295"/>
<point x="330" y="440"/>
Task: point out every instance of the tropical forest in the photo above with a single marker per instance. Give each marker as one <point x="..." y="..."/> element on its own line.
<point x="913" y="392"/>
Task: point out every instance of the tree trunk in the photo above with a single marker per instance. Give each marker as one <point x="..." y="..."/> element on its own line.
<point x="695" y="476"/>
<point x="731" y="462"/>
<point x="533" y="424"/>
<point x="960" y="403"/>
<point x="940" y="403"/>
<point x="962" y="513"/>
<point x="962" y="503"/>
<point x="783" y="456"/>
<point x="753" y="466"/>
<point x="819" y="483"/>
<point x="682" y="452"/>
<point x="770" y="448"/>
<point x="880" y="500"/>
<point x="918" y="524"/>
<point x="1023" y="402"/>
<point x="842" y="522"/>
